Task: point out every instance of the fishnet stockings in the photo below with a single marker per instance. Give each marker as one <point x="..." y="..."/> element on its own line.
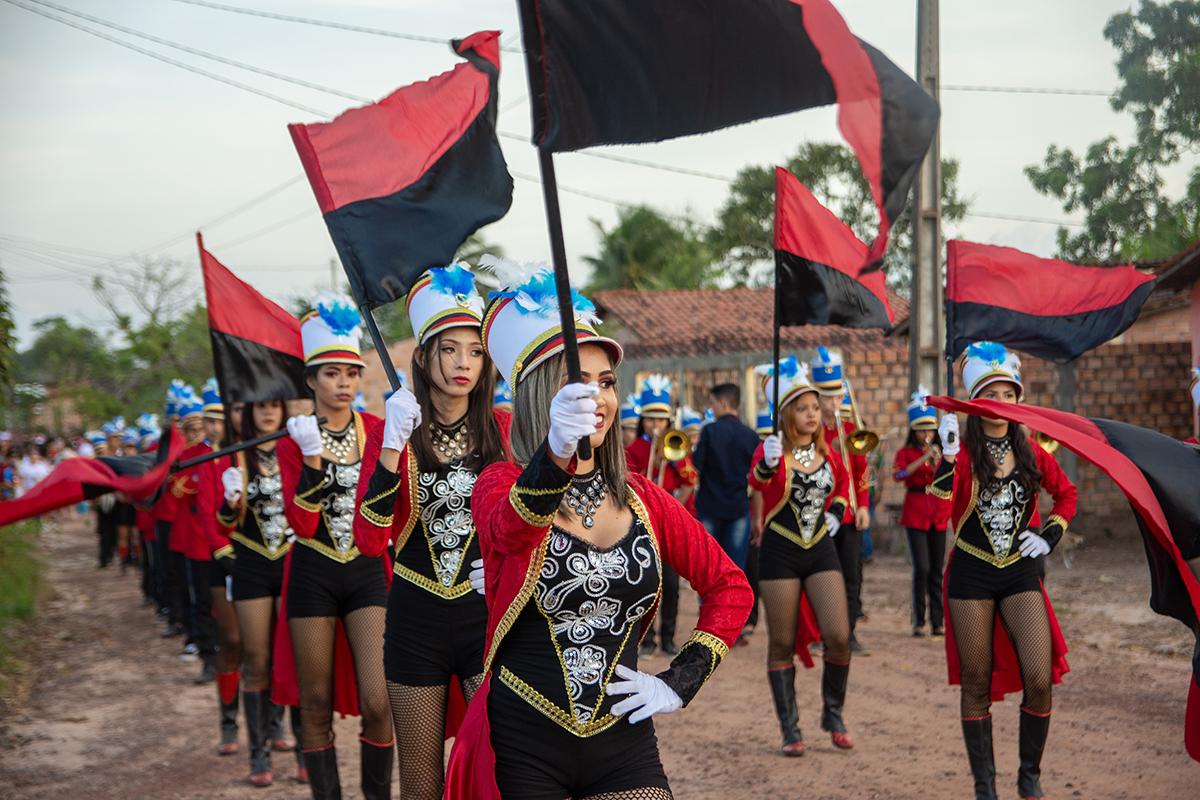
<point x="645" y="793"/>
<point x="254" y="619"/>
<point x="419" y="720"/>
<point x="781" y="598"/>
<point x="312" y="643"/>
<point x="1024" y="616"/>
<point x="229" y="633"/>
<point x="364" y="629"/>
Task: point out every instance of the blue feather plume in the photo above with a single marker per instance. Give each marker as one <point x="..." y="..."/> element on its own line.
<point x="338" y="313"/>
<point x="990" y="352"/>
<point x="453" y="280"/>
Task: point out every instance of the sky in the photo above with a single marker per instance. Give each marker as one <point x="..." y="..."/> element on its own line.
<point x="106" y="153"/>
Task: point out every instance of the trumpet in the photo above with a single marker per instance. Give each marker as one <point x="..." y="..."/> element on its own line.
<point x="1047" y="444"/>
<point x="863" y="440"/>
<point x="672" y="445"/>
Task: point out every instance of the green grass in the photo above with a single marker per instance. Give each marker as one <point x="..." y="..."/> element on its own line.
<point x="20" y="585"/>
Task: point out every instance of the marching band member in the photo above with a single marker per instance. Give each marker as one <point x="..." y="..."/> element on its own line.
<point x="923" y="516"/>
<point x="804" y="493"/>
<point x="201" y="638"/>
<point x="574" y="551"/>
<point x="631" y="416"/>
<point x="329" y="582"/>
<point x="417" y="493"/>
<point x="995" y="579"/>
<point x="827" y="377"/>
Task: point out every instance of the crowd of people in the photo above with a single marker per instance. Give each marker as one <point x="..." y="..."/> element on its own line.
<point x="490" y="560"/>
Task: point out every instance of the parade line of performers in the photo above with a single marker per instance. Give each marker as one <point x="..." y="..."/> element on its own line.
<point x="459" y="569"/>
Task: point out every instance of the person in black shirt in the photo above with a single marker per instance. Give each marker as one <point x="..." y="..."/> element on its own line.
<point x="723" y="460"/>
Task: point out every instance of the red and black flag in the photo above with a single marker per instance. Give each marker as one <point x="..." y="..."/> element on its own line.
<point x="403" y="182"/>
<point x="631" y="71"/>
<point x="75" y="480"/>
<point x="257" y="353"/>
<point x="1041" y="306"/>
<point x="1159" y="476"/>
<point x="820" y="265"/>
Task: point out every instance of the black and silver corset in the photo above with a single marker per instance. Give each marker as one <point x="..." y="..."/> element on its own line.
<point x="1001" y="512"/>
<point x="444" y="497"/>
<point x="264" y="498"/>
<point x="338" y="503"/>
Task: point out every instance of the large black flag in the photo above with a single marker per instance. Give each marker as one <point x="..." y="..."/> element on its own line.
<point x="629" y="71"/>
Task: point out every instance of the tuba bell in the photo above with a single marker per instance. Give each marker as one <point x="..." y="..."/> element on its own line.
<point x="862" y="441"/>
<point x="675" y="445"/>
<point x="1048" y="444"/>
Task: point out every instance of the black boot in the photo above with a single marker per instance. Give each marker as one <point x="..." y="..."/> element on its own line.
<point x="1034" y="729"/>
<point x="208" y="672"/>
<point x="277" y="735"/>
<point x="258" y="716"/>
<point x="376" y="761"/>
<point x="834" y="678"/>
<point x="977" y="733"/>
<point x="783" y="691"/>
<point x="227" y="697"/>
<point x="301" y="770"/>
<point x="323" y="773"/>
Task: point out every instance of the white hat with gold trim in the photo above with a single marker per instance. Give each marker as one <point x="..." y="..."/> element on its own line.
<point x="330" y="332"/>
<point x="521" y="325"/>
<point x="793" y="380"/>
<point x="985" y="363"/>
<point x="444" y="298"/>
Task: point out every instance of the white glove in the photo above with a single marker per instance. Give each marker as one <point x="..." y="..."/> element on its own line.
<point x="772" y="450"/>
<point x="948" y="432"/>
<point x="1032" y="544"/>
<point x="306" y="432"/>
<point x="832" y="523"/>
<point x="648" y="695"/>
<point x="231" y="479"/>
<point x="476" y="575"/>
<point x="572" y="417"/>
<point x="403" y="414"/>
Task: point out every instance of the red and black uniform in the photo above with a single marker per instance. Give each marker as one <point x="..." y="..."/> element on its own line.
<point x="516" y="740"/>
<point x="677" y="475"/>
<point x="924" y="517"/>
<point x="259" y="533"/>
<point x="849" y="540"/>
<point x="191" y="537"/>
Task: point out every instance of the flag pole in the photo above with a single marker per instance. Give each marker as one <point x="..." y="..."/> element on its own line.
<point x="562" y="280"/>
<point x="385" y="358"/>
<point x="233" y="448"/>
<point x="950" y="333"/>
<point x="775" y="354"/>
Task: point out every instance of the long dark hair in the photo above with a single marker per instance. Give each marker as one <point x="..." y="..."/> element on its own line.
<point x="486" y="445"/>
<point x="912" y="440"/>
<point x="984" y="467"/>
<point x="249" y="432"/>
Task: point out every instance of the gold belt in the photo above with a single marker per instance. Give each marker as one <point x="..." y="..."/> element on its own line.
<point x="553" y="712"/>
<point x="448" y="592"/>
<point x="250" y="544"/>
<point x="329" y="552"/>
<point x="796" y="539"/>
<point x="983" y="555"/>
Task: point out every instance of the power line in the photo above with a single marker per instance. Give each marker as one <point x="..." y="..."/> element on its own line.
<point x="637" y="162"/>
<point x="167" y="60"/>
<point x="1027" y="90"/>
<point x="1018" y="218"/>
<point x="593" y="196"/>
<point x="412" y="37"/>
<point x="263" y="230"/>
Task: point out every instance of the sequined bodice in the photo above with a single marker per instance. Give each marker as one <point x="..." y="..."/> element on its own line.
<point x="264" y="496"/>
<point x="1001" y="513"/>
<point x="444" y="499"/>
<point x="809" y="493"/>
<point x="338" y="504"/>
<point x="591" y="603"/>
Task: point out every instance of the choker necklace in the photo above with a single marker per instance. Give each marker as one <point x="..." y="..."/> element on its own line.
<point x="998" y="449"/>
<point x="267" y="461"/>
<point x="805" y="456"/>
<point x="450" y="441"/>
<point x="585" y="495"/>
<point x="340" y="443"/>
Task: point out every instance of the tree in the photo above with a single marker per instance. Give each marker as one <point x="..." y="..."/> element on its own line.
<point x="1120" y="189"/>
<point x="8" y="347"/>
<point x="76" y="361"/>
<point x="646" y="250"/>
<point x="743" y="238"/>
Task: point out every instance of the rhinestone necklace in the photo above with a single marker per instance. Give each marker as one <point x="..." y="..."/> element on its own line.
<point x="585" y="495"/>
<point x="340" y="443"/>
<point x="805" y="456"/>
<point x="998" y="449"/>
<point x="268" y="463"/>
<point x="450" y="441"/>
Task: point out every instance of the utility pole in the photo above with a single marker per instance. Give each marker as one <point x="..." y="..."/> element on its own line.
<point x="927" y="326"/>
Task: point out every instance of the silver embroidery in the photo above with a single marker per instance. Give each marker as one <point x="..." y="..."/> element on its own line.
<point x="809" y="493"/>
<point x="593" y="599"/>
<point x="339" y="504"/>
<point x="1000" y="514"/>
<point x="446" y="516"/>
<point x="265" y="496"/>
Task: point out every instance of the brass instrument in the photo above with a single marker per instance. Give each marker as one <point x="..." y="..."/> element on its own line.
<point x="673" y="445"/>
<point x="863" y="440"/>
<point x="1048" y="444"/>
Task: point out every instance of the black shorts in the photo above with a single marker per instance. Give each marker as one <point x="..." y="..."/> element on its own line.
<point x="971" y="578"/>
<point x="429" y="638"/>
<point x="536" y="759"/>
<point x="124" y="514"/>
<point x="216" y="573"/>
<point x="781" y="558"/>
<point x="321" y="587"/>
<point x="255" y="576"/>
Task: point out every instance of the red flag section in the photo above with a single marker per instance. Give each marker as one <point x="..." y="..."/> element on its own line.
<point x="78" y="479"/>
<point x="1042" y="306"/>
<point x="404" y="181"/>
<point x="257" y="352"/>
<point x="821" y="265"/>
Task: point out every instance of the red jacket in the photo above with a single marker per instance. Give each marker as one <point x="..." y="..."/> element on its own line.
<point x="778" y="488"/>
<point x="922" y="511"/>
<point x="679" y="474"/>
<point x="211" y="497"/>
<point x="858" y="468"/>
<point x="371" y="530"/>
<point x="513" y="541"/>
<point x="183" y="487"/>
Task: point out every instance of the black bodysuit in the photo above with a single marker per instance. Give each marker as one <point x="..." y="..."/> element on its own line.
<point x="261" y="535"/>
<point x="796" y="543"/>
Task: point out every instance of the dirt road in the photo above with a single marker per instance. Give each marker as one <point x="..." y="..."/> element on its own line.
<point x="111" y="712"/>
